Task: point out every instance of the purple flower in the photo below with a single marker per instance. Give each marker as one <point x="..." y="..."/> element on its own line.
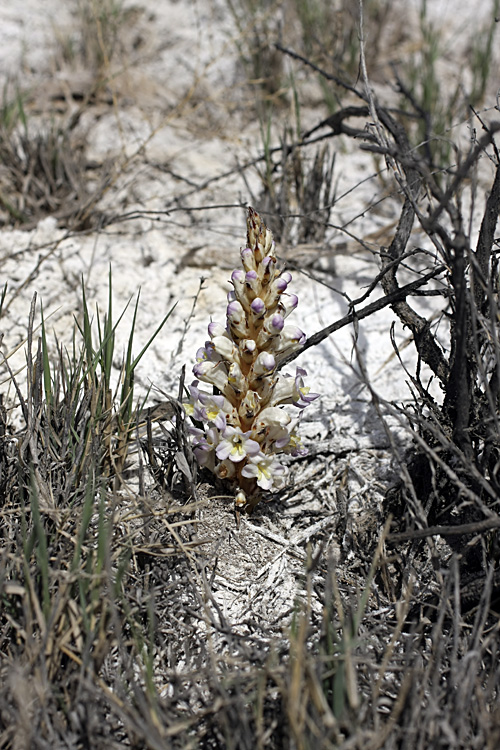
<point x="204" y="444"/>
<point x="215" y="374"/>
<point x="244" y="422"/>
<point x="193" y="390"/>
<point x="207" y="353"/>
<point x="294" y="446"/>
<point x="290" y="337"/>
<point x="212" y="409"/>
<point x="301" y="395"/>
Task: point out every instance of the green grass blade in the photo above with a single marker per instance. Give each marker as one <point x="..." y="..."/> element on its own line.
<point x="47" y="378"/>
<point x="41" y="548"/>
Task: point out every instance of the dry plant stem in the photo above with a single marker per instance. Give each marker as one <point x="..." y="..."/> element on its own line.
<point x="480" y="271"/>
<point x="458" y="530"/>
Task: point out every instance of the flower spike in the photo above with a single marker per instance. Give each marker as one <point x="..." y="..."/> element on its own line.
<point x="242" y="426"/>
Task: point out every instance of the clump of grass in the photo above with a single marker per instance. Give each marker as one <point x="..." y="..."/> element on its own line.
<point x="66" y="550"/>
<point x="329" y="32"/>
<point x="257" y="23"/>
<point x="78" y="423"/>
<point x="43" y="170"/>
<point x="326" y="32"/>
<point x="297" y="190"/>
<point x="97" y="38"/>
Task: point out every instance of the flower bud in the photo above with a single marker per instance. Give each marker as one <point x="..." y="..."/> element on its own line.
<point x="276" y="289"/>
<point x="267" y="269"/>
<point x="225" y="347"/>
<point x="263" y="365"/>
<point x="248" y="260"/>
<point x="258" y="307"/>
<point x="258" y="236"/>
<point x="235" y="312"/>
<point x="289" y="302"/>
<point x="236" y="319"/>
<point x="274" y="324"/>
<point x="225" y="470"/>
<point x="252" y="284"/>
<point x="247" y="348"/>
<point x="238" y="282"/>
<point x="215" y="329"/>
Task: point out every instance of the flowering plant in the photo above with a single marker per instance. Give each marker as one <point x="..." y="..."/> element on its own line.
<point x="241" y="427"/>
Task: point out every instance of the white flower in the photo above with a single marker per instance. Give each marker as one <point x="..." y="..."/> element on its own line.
<point x="265" y="469"/>
<point x="272" y="416"/>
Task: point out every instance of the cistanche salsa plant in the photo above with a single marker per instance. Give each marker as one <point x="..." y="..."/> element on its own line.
<point x="240" y="428"/>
